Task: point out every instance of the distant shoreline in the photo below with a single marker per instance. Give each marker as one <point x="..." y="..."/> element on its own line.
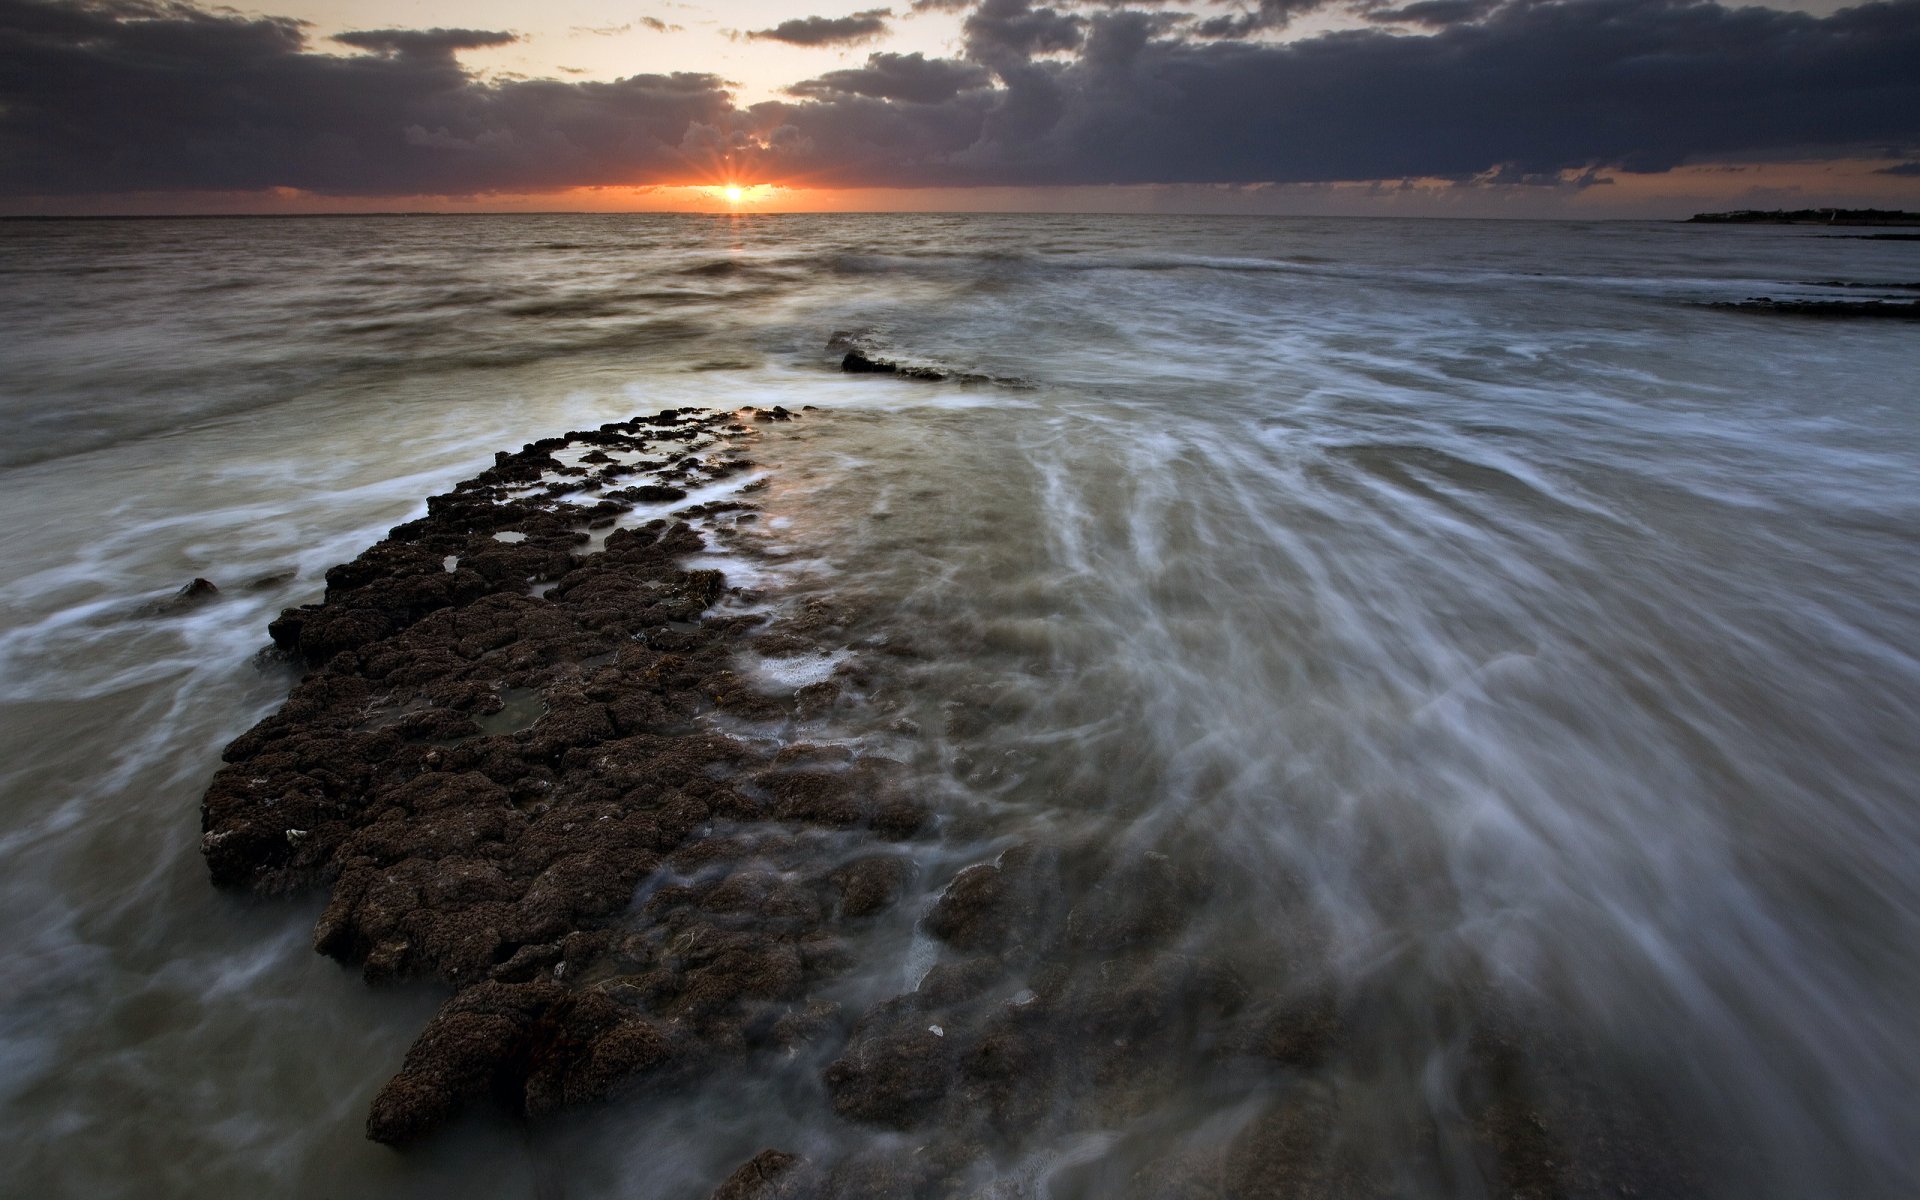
<point x="1808" y="216"/>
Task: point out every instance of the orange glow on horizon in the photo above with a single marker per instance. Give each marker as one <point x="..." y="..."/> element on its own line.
<point x="1846" y="183"/>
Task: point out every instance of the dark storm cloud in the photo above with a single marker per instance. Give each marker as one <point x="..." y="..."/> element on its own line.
<point x="127" y="96"/>
<point x="829" y="31"/>
<point x="1538" y="87"/>
<point x="118" y="97"/>
<point x="909" y="77"/>
<point x="1905" y="168"/>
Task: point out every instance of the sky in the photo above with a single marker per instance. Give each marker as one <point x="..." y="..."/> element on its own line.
<point x="1527" y="108"/>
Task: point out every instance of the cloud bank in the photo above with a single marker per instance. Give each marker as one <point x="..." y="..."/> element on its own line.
<point x="114" y="96"/>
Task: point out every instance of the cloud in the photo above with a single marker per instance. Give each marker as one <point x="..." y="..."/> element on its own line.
<point x="1435" y="13"/>
<point x="423" y="44"/>
<point x="1007" y="31"/>
<point x="906" y="77"/>
<point x="829" y="31"/>
<point x="1537" y="87"/>
<point x="122" y="96"/>
<point x="1905" y="168"/>
<point x="1269" y="14"/>
<point x="112" y="97"/>
<point x="653" y="23"/>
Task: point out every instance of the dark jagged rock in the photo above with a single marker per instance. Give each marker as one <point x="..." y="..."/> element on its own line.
<point x="483" y="779"/>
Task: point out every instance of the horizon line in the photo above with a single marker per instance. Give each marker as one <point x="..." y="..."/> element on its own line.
<point x="876" y="212"/>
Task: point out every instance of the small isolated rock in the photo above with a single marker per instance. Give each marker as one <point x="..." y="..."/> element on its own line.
<point x="193" y="595"/>
<point x="859" y="363"/>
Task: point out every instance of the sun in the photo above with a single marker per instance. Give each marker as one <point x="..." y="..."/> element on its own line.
<point x="734" y="193"/>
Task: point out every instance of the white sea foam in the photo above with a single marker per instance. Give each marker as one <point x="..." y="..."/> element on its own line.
<point x="797" y="671"/>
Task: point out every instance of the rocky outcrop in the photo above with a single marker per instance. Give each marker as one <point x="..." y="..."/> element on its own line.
<point x="519" y="795"/>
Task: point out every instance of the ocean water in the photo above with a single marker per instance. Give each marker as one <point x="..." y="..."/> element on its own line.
<point x="1514" y="629"/>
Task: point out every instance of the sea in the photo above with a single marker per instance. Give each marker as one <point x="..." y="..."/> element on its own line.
<point x="1520" y="631"/>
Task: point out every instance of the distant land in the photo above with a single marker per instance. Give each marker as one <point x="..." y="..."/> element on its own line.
<point x="1809" y="216"/>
